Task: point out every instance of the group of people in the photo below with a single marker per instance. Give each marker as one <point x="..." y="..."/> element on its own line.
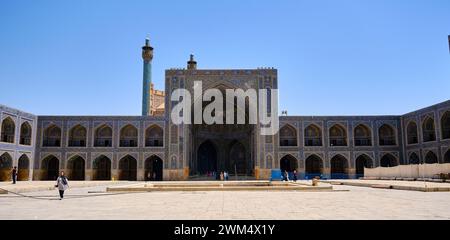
<point x="222" y="176"/>
<point x="285" y="176"/>
<point x="151" y="176"/>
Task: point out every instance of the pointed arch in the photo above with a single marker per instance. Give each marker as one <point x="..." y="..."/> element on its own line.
<point x="128" y="168"/>
<point x="428" y="130"/>
<point x="153" y="168"/>
<point x="338" y="135"/>
<point x="50" y="168"/>
<point x="25" y="134"/>
<point x="76" y="168"/>
<point x="445" y="125"/>
<point x="23" y="168"/>
<point x="388" y="160"/>
<point x="447" y="156"/>
<point x="103" y="136"/>
<point x="361" y="162"/>
<point x="6" y="163"/>
<point x="129" y="136"/>
<point x="431" y="158"/>
<point x="362" y="135"/>
<point x="339" y="167"/>
<point x="414" y="159"/>
<point x="77" y="136"/>
<point x="52" y="136"/>
<point x="173" y="162"/>
<point x="154" y="136"/>
<point x="313" y="166"/>
<point x="288" y="163"/>
<point x="288" y="135"/>
<point x="101" y="168"/>
<point x="313" y="135"/>
<point x="8" y="130"/>
<point x="269" y="161"/>
<point x="411" y="133"/>
<point x="207" y="157"/>
<point x="386" y="135"/>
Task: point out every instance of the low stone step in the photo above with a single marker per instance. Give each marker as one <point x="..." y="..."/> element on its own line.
<point x="383" y="186"/>
<point x="220" y="186"/>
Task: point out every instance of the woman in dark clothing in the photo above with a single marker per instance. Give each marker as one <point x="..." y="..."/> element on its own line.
<point x="294" y="177"/>
<point x="14" y="174"/>
<point x="62" y="184"/>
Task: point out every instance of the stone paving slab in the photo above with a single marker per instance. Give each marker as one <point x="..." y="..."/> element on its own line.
<point x="395" y="184"/>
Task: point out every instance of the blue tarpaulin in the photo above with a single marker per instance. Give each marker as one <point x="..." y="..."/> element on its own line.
<point x="276" y="175"/>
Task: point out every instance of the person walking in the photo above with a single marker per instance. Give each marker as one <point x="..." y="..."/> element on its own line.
<point x="294" y="177"/>
<point x="14" y="175"/>
<point x="287" y="176"/>
<point x="62" y="184"/>
<point x="221" y="176"/>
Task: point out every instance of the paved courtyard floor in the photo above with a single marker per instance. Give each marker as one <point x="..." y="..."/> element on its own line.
<point x="400" y="185"/>
<point x="352" y="203"/>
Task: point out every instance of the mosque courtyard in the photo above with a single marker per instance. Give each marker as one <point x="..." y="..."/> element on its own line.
<point x="90" y="200"/>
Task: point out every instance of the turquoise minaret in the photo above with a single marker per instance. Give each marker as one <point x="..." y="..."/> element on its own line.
<point x="147" y="56"/>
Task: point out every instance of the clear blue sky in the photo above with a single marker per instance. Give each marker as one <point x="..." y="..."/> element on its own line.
<point x="333" y="57"/>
